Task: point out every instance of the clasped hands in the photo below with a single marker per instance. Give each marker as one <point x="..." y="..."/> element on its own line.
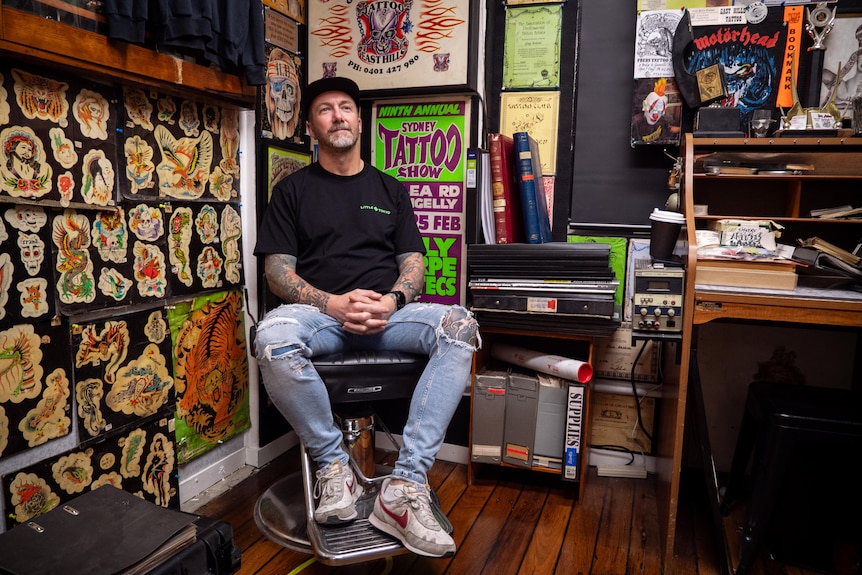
<point x="362" y="311"/>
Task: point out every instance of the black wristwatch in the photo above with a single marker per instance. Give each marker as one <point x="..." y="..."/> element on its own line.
<point x="400" y="299"/>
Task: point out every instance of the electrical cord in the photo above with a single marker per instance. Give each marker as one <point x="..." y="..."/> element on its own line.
<point x="635" y="391"/>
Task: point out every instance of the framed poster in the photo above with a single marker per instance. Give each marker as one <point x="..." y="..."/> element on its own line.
<point x="280" y="163"/>
<point x="393" y="44"/>
<point x="531" y="54"/>
<point x="844" y="49"/>
<point x="536" y="113"/>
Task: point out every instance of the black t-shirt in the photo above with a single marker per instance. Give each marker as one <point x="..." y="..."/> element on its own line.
<point x="345" y="231"/>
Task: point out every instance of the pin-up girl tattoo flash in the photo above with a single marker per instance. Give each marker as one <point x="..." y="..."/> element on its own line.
<point x="139" y="110"/>
<point x="24" y="173"/>
<point x="206" y="224"/>
<point x="71" y="235"/>
<point x="97" y="184"/>
<point x="92" y="112"/>
<point x="158" y="468"/>
<point x="185" y="166"/>
<point x="231" y="230"/>
<point x="63" y="148"/>
<point x="111" y="236"/>
<point x="179" y="240"/>
<point x="229" y="141"/>
<point x="209" y="267"/>
<point x="139" y="163"/>
<point x="41" y="98"/>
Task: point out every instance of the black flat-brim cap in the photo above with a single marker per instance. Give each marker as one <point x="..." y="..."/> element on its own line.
<point x="336" y="84"/>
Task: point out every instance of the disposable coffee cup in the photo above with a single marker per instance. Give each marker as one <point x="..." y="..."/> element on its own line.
<point x="664" y="232"/>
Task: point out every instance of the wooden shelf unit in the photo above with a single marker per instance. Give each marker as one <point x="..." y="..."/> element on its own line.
<point x="787" y="199"/>
<point x="566" y="345"/>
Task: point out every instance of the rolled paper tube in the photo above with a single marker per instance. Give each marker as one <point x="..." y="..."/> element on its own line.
<point x="564" y="367"/>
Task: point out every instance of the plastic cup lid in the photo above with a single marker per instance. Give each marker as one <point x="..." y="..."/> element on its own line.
<point x="667" y="217"/>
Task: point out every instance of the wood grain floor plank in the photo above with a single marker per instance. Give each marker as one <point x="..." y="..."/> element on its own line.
<point x="644" y="549"/>
<point x="544" y="548"/>
<point x="579" y="544"/>
<point x="514" y="537"/>
<point x="612" y="545"/>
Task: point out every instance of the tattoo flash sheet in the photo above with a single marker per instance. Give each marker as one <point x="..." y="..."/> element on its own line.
<point x="141" y="461"/>
<point x="58" y="138"/>
<point x="35" y="386"/>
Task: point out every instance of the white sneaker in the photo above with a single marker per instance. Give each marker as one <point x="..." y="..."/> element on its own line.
<point x="404" y="512"/>
<point x="337" y="490"/>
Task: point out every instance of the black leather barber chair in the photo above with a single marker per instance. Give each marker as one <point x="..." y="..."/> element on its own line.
<point x="284" y="513"/>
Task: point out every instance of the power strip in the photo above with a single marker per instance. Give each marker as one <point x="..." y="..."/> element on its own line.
<point x="633" y="471"/>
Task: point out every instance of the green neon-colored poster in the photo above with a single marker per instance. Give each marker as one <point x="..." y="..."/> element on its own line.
<point x="422" y="143"/>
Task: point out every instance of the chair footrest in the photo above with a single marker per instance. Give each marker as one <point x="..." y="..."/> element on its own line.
<point x="338" y="544"/>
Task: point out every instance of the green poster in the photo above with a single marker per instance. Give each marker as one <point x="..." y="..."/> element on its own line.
<point x="531" y="53"/>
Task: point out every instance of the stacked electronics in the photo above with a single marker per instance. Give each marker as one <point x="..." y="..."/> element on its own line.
<point x="561" y="287"/>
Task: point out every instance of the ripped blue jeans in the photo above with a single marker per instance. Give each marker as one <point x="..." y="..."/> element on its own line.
<point x="290" y="335"/>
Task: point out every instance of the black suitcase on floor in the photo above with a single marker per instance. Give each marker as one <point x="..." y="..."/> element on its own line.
<point x="213" y="553"/>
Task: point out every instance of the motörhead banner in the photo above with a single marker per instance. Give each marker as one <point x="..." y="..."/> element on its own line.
<point x="389" y="44"/>
<point x="423" y="143"/>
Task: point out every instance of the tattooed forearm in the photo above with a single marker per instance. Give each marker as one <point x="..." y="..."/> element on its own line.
<point x="283" y="281"/>
<point x="411" y="268"/>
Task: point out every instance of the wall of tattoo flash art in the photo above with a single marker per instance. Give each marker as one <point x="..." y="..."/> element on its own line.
<point x="120" y="262"/>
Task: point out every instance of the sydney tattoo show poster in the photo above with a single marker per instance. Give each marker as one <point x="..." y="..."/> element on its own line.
<point x="423" y="144"/>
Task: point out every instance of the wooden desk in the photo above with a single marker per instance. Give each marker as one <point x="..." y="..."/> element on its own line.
<point x="782" y="198"/>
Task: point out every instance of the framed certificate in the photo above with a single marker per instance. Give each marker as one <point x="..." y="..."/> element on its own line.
<point x="531" y="52"/>
<point x="536" y="113"/>
<point x="425" y="45"/>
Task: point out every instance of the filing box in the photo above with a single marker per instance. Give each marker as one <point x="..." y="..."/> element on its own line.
<point x="522" y="394"/>
<point x="489" y="412"/>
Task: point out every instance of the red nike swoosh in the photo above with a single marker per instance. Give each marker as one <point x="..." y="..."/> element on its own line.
<point x="399" y="519"/>
<point x="350" y="485"/>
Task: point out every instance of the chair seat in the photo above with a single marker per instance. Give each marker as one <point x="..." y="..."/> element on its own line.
<point x="360" y="376"/>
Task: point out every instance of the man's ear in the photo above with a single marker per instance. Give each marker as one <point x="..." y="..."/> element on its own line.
<point x="310" y="130"/>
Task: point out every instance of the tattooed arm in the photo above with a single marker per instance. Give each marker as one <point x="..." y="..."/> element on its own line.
<point x="411" y="269"/>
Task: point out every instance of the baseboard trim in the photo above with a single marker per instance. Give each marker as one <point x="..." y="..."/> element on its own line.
<point x="193" y="485"/>
<point x="260" y="456"/>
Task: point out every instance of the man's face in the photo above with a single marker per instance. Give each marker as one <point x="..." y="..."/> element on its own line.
<point x="334" y="120"/>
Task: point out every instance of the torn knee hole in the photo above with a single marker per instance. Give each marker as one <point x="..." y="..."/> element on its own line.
<point x="458" y="324"/>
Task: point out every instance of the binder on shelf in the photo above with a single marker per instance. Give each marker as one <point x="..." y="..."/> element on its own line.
<point x="489" y="412"/>
<point x="522" y="393"/>
<point x="575" y="420"/>
<point x="550" y="422"/>
<point x="477" y="179"/>
<point x="537" y="223"/>
<point x="508" y="219"/>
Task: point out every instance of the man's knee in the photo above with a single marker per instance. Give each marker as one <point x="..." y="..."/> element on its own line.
<point x="459" y="325"/>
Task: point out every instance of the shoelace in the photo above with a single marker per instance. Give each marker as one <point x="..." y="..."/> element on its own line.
<point x="419" y="501"/>
<point x="328" y="484"/>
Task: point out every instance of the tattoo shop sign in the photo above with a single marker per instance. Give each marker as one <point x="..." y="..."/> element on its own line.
<point x="423" y="144"/>
<point x="390" y="44"/>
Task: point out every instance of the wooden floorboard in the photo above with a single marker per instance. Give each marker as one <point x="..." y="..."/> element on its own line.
<point x="510" y="522"/>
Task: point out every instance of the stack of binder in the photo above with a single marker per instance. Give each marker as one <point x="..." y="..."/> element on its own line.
<point x="563" y="287"/>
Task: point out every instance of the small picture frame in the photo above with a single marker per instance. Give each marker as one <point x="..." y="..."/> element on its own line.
<point x="280" y="163"/>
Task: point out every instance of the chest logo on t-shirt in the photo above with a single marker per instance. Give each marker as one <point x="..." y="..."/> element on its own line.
<point x="375" y="209"/>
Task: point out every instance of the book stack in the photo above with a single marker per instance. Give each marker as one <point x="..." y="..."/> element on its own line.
<point x="520" y="205"/>
<point x="773" y="274"/>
